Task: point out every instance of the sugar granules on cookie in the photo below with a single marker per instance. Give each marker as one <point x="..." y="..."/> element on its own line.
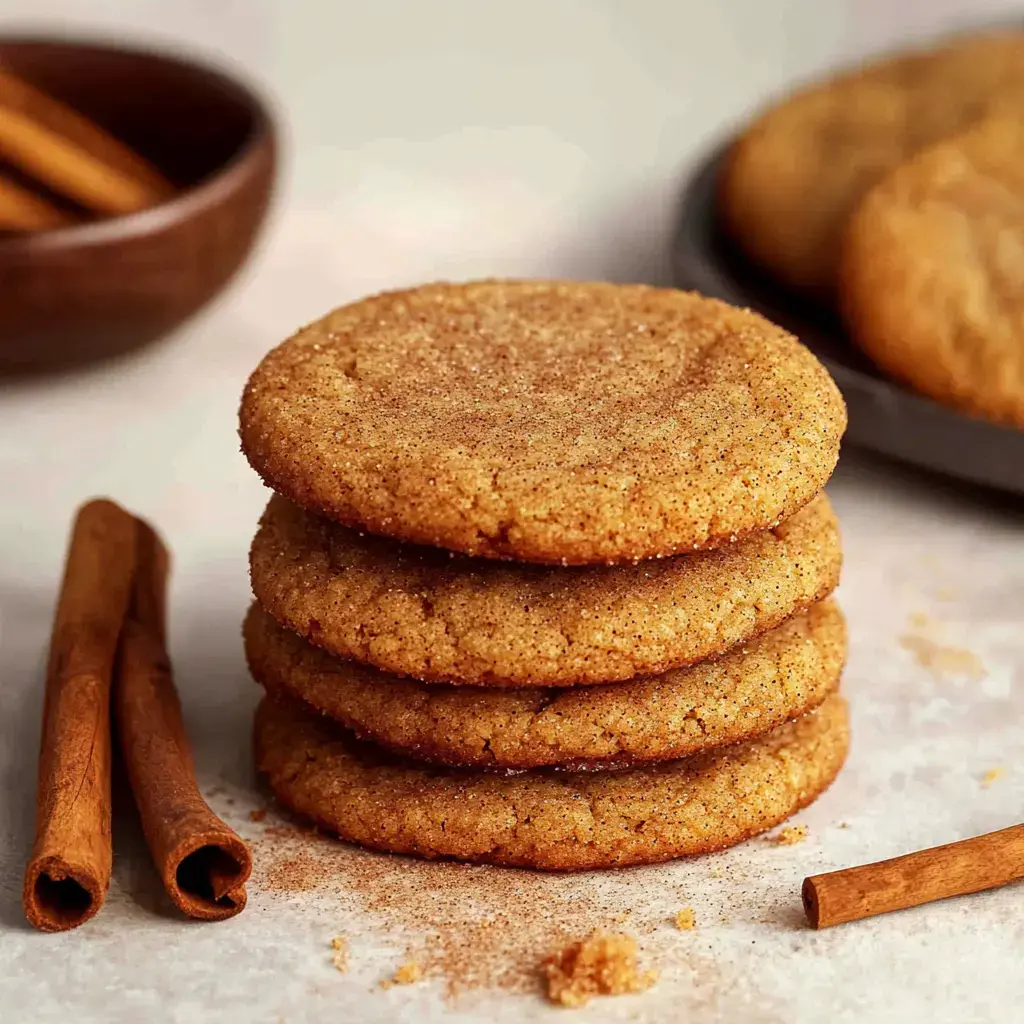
<point x="600" y="964"/>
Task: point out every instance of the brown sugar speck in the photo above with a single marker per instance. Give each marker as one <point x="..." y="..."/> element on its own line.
<point x="686" y="920"/>
<point x="340" y="956"/>
<point x="407" y="974"/>
<point x="258" y="815"/>
<point x="601" y="964"/>
<point x="992" y="775"/>
<point x="789" y="836"/>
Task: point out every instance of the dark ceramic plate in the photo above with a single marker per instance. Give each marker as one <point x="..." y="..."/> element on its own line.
<point x="883" y="416"/>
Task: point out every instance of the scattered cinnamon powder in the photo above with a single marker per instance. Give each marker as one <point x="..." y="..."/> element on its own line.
<point x="992" y="775"/>
<point x="601" y="964"/>
<point x="296" y="873"/>
<point x="340" y="956"/>
<point x="407" y="974"/>
<point x="476" y="926"/>
<point x="258" y="815"/>
<point x="789" y="836"/>
<point x="686" y="920"/>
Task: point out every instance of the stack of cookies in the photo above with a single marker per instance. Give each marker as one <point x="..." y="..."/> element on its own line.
<point x="546" y="578"/>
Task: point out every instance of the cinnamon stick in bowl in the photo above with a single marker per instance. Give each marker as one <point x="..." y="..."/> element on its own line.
<point x="203" y="864"/>
<point x="69" y="869"/>
<point x="73" y="155"/>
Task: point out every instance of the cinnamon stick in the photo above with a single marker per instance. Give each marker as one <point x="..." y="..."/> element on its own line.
<point x="203" y="863"/>
<point x="21" y="210"/>
<point x="956" y="869"/>
<point x="69" y="870"/>
<point x="71" y="154"/>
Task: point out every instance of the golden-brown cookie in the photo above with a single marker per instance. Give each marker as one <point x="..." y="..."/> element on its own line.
<point x="796" y="174"/>
<point x="542" y="818"/>
<point x="748" y="692"/>
<point x="421" y="612"/>
<point x="551" y="422"/>
<point x="932" y="277"/>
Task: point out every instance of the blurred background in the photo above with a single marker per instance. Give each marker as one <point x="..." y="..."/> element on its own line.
<point x="437" y="138"/>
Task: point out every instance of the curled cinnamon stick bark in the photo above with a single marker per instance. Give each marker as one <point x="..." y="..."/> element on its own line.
<point x="971" y="865"/>
<point x="203" y="863"/>
<point x="69" y="869"/>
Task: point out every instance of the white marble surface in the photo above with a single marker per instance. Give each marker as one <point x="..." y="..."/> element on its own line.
<point x="450" y="139"/>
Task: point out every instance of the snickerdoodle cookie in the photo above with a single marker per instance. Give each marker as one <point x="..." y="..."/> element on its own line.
<point x="543" y="818"/>
<point x="932" y="276"/>
<point x="749" y="691"/>
<point x="545" y="421"/>
<point x="797" y="173"/>
<point x="422" y="612"/>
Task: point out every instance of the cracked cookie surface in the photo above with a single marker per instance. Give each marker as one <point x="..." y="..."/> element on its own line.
<point x="546" y="819"/>
<point x="932" y="277"/>
<point x="545" y="421"/>
<point x="796" y="174"/>
<point x="424" y="613"/>
<point x="749" y="691"/>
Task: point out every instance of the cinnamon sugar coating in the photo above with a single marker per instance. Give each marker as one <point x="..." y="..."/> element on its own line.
<point x="557" y="821"/>
<point x="420" y="612"/>
<point x="545" y="421"/>
<point x="749" y="691"/>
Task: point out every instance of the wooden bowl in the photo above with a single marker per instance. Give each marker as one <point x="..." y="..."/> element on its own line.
<point x="93" y="290"/>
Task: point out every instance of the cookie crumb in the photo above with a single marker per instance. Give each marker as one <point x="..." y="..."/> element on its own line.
<point x="942" y="661"/>
<point x="340" y="956"/>
<point x="789" y="836"/>
<point x="844" y="824"/>
<point x="407" y="974"/>
<point x="686" y="920"/>
<point x="601" y="964"/>
<point x="258" y="815"/>
<point x="992" y="775"/>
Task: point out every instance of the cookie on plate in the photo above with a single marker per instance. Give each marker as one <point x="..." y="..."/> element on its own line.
<point x="545" y="421"/>
<point x="932" y="277"/>
<point x="749" y="691"/>
<point x="796" y="174"/>
<point x="543" y="818"/>
<point x="422" y="612"/>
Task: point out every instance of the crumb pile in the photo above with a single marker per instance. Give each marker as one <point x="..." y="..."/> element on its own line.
<point x="599" y="965"/>
<point x="546" y="581"/>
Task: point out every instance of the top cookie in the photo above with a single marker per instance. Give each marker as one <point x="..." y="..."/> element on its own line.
<point x="933" y="268"/>
<point x="545" y="421"/>
<point x="796" y="174"/>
